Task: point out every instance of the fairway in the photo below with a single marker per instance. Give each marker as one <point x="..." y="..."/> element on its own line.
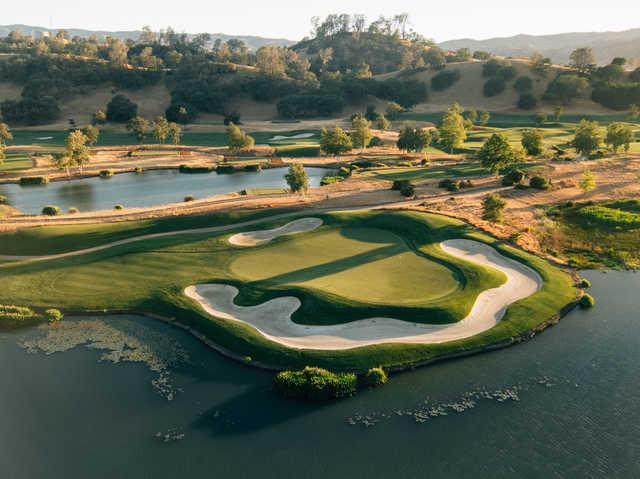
<point x="363" y="264"/>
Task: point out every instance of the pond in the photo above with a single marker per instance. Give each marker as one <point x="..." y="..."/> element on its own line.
<point x="143" y="189"/>
<point x="126" y="396"/>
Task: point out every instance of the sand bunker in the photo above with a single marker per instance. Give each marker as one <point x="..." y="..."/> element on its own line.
<point x="273" y="318"/>
<point x="253" y="238"/>
<point x="299" y="136"/>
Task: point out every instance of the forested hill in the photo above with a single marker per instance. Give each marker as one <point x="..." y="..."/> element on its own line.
<point x="605" y="45"/>
<point x="252" y="42"/>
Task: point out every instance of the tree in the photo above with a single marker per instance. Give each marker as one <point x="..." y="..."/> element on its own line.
<point x="532" y="141"/>
<point x="121" y="109"/>
<point x="523" y="84"/>
<point x="619" y="135"/>
<point x="99" y="118"/>
<point x="160" y="129"/>
<point x="335" y="141"/>
<point x="471" y="116"/>
<point x="557" y="112"/>
<point x="588" y="181"/>
<point x="527" y="101"/>
<point x="91" y="133"/>
<point x="371" y="113"/>
<point x="138" y="127"/>
<point x="485" y="116"/>
<point x="393" y="111"/>
<point x="174" y="133"/>
<point x="582" y="59"/>
<point x="360" y="132"/>
<point x="493" y="208"/>
<point x="413" y="139"/>
<point x="382" y="123"/>
<point x="634" y="112"/>
<point x="452" y="131"/>
<point x="496" y="153"/>
<point x="238" y="139"/>
<point x="76" y="150"/>
<point x="587" y="138"/>
<point x="5" y="135"/>
<point x="566" y="88"/>
<point x="540" y="119"/>
<point x="297" y="178"/>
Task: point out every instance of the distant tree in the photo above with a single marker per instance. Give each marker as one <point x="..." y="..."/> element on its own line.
<point x="532" y="141"/>
<point x="76" y="151"/>
<point x="620" y="61"/>
<point x="434" y="57"/>
<point x="527" y="101"/>
<point x="587" y="138"/>
<point x="117" y="52"/>
<point x="481" y="55"/>
<point x="619" y="135"/>
<point x="393" y="111"/>
<point x="360" y="132"/>
<point x="371" y="113"/>
<point x="484" y="118"/>
<point x="494" y="86"/>
<point x="138" y="127"/>
<point x="523" y="84"/>
<point x="335" y="141"/>
<point x="493" y="208"/>
<point x="540" y="119"/>
<point x="496" y="153"/>
<point x="180" y="113"/>
<point x="120" y="109"/>
<point x="5" y="134"/>
<point x="160" y="129"/>
<point x="382" y="123"/>
<point x="582" y="59"/>
<point x="634" y="112"/>
<point x="588" y="181"/>
<point x="540" y="64"/>
<point x="452" y="131"/>
<point x="174" y="133"/>
<point x="297" y="178"/>
<point x="557" y="112"/>
<point x="566" y="88"/>
<point x="99" y="118"/>
<point x="413" y="139"/>
<point x="91" y="133"/>
<point x="238" y="139"/>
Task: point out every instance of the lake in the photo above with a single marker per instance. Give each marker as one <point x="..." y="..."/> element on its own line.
<point x="143" y="189"/>
<point x="128" y="396"/>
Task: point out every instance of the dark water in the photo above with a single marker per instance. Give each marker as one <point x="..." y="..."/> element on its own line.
<point x="143" y="189"/>
<point x="565" y="405"/>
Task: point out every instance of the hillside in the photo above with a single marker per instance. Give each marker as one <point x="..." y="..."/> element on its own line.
<point x="606" y="45"/>
<point x="253" y="42"/>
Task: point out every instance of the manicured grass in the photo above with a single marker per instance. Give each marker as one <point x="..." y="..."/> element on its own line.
<point x="14" y="162"/>
<point x="425" y="173"/>
<point x="150" y="276"/>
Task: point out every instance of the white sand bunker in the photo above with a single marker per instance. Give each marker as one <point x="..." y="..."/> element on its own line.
<point x="254" y="238"/>
<point x="273" y="318"/>
<point x="299" y="136"/>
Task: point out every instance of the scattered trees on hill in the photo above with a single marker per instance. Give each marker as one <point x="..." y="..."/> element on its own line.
<point x="237" y="139"/>
<point x="496" y="153"/>
<point x="120" y="109"/>
<point x="297" y="178"/>
<point x="532" y="142"/>
<point x="582" y="59"/>
<point x="335" y="141"/>
<point x="452" y="131"/>
<point x="138" y="127"/>
<point x="413" y="139"/>
<point x="587" y="138"/>
<point x="619" y="135"/>
<point x="566" y="88"/>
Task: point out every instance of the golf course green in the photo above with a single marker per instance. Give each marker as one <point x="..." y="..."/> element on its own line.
<point x="356" y="265"/>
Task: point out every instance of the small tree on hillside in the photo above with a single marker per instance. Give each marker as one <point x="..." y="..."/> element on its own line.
<point x="452" y="131"/>
<point x="138" y="127"/>
<point x="121" y="109"/>
<point x="540" y="119"/>
<point x="174" y="133"/>
<point x="582" y="59"/>
<point x="382" y="123"/>
<point x="360" y="132"/>
<point x="335" y="141"/>
<point x="393" y="111"/>
<point x="619" y="135"/>
<point x="588" y="181"/>
<point x="587" y="138"/>
<point x="99" y="118"/>
<point x="160" y="129"/>
<point x="91" y="133"/>
<point x="493" y="208"/>
<point x="496" y="153"/>
<point x="484" y="118"/>
<point x="297" y="178"/>
<point x="532" y="142"/>
<point x="413" y="139"/>
<point x="238" y="139"/>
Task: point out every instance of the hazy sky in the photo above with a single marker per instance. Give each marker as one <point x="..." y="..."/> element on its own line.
<point x="290" y="18"/>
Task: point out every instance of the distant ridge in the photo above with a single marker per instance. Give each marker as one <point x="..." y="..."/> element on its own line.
<point x="253" y="42"/>
<point x="558" y="47"/>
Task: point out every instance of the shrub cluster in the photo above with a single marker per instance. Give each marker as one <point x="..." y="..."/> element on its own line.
<point x="16" y="314"/>
<point x="513" y="177"/>
<point x="195" y="169"/>
<point x="51" y="210"/>
<point x="587" y="301"/>
<point x="610" y="217"/>
<point x="225" y="169"/>
<point x="375" y="377"/>
<point x="315" y="384"/>
<point x="106" y="174"/>
<point x="539" y="183"/>
<point x="454" y="185"/>
<point x="445" y="79"/>
<point x="34" y="180"/>
<point x="53" y="315"/>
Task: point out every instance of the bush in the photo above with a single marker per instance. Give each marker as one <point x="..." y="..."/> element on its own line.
<point x="51" y="210"/>
<point x="253" y="168"/>
<point x="527" y="101"/>
<point x="375" y="377"/>
<point x="188" y="198"/>
<point x="120" y="109"/>
<point x="106" y="174"/>
<point x="584" y="283"/>
<point x="53" y="315"/>
<point x="138" y="169"/>
<point x="408" y="190"/>
<point x="225" y="169"/>
<point x="16" y="314"/>
<point x="34" y="180"/>
<point x="494" y="86"/>
<point x="375" y="141"/>
<point x="513" y="177"/>
<point x="399" y="184"/>
<point x="195" y="169"/>
<point x="523" y="84"/>
<point x="539" y="183"/>
<point x="449" y="184"/>
<point x="73" y="210"/>
<point x="4" y="200"/>
<point x="315" y="384"/>
<point x="445" y="79"/>
<point x="118" y="207"/>
<point x="587" y="301"/>
<point x="330" y="180"/>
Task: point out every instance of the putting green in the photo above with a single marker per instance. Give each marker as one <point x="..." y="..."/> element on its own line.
<point x="370" y="265"/>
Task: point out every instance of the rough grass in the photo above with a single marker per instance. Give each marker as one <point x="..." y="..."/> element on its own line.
<point x="150" y="276"/>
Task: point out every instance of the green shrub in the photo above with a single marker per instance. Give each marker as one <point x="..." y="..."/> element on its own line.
<point x="53" y="315"/>
<point x="188" y="198"/>
<point x="138" y="169"/>
<point x="225" y="169"/>
<point x="587" y="301"/>
<point x="539" y="183"/>
<point x="106" y="173"/>
<point x="375" y="377"/>
<point x="405" y="164"/>
<point x="195" y="169"/>
<point x="584" y="283"/>
<point x="118" y="207"/>
<point x="610" y="217"/>
<point x="513" y="177"/>
<point x="51" y="210"/>
<point x="34" y="180"/>
<point x="444" y="79"/>
<point x="315" y="384"/>
<point x="253" y="168"/>
<point x="9" y="312"/>
<point x="449" y="184"/>
<point x="344" y="172"/>
<point x="399" y="184"/>
<point x="330" y="180"/>
<point x="375" y="141"/>
<point x="408" y="190"/>
<point x="4" y="200"/>
<point x="73" y="210"/>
